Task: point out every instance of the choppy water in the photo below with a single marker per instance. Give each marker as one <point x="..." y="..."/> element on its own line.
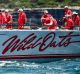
<point x="64" y="66"/>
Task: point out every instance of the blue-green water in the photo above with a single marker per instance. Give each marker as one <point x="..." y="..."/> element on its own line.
<point x="64" y="66"/>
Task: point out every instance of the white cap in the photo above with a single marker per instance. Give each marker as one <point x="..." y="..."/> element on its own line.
<point x="20" y="10"/>
<point x="66" y="7"/>
<point x="6" y="10"/>
<point x="75" y="13"/>
<point x="45" y="11"/>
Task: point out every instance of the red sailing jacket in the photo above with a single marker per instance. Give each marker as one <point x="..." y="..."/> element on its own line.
<point x="69" y="24"/>
<point x="3" y="19"/>
<point x="22" y="18"/>
<point x="68" y="12"/>
<point x="76" y="20"/>
<point x="9" y="18"/>
<point x="48" y="19"/>
<point x="54" y="24"/>
<point x="0" y="19"/>
<point x="9" y="21"/>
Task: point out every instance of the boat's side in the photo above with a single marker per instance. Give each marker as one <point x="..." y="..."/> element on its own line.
<point x="39" y="44"/>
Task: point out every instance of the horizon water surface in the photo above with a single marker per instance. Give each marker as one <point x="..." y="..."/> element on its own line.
<point x="64" y="66"/>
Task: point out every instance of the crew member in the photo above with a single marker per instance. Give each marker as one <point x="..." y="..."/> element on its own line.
<point x="69" y="24"/>
<point x="49" y="21"/>
<point x="2" y="19"/>
<point x="67" y="11"/>
<point x="76" y="19"/>
<point x="22" y="19"/>
<point x="9" y="19"/>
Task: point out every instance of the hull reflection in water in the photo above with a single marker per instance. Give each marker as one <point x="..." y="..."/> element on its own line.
<point x="39" y="45"/>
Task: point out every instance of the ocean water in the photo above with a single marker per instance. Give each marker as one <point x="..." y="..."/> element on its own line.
<point x="64" y="66"/>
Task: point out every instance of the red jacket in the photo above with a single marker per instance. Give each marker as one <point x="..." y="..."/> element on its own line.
<point x="54" y="24"/>
<point x="69" y="24"/>
<point x="68" y="12"/>
<point x="45" y="19"/>
<point x="48" y="19"/>
<point x="9" y="19"/>
<point x="0" y="19"/>
<point x="22" y="18"/>
<point x="76" y="20"/>
<point x="3" y="18"/>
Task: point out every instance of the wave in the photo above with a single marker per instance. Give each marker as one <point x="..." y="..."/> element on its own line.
<point x="65" y="66"/>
